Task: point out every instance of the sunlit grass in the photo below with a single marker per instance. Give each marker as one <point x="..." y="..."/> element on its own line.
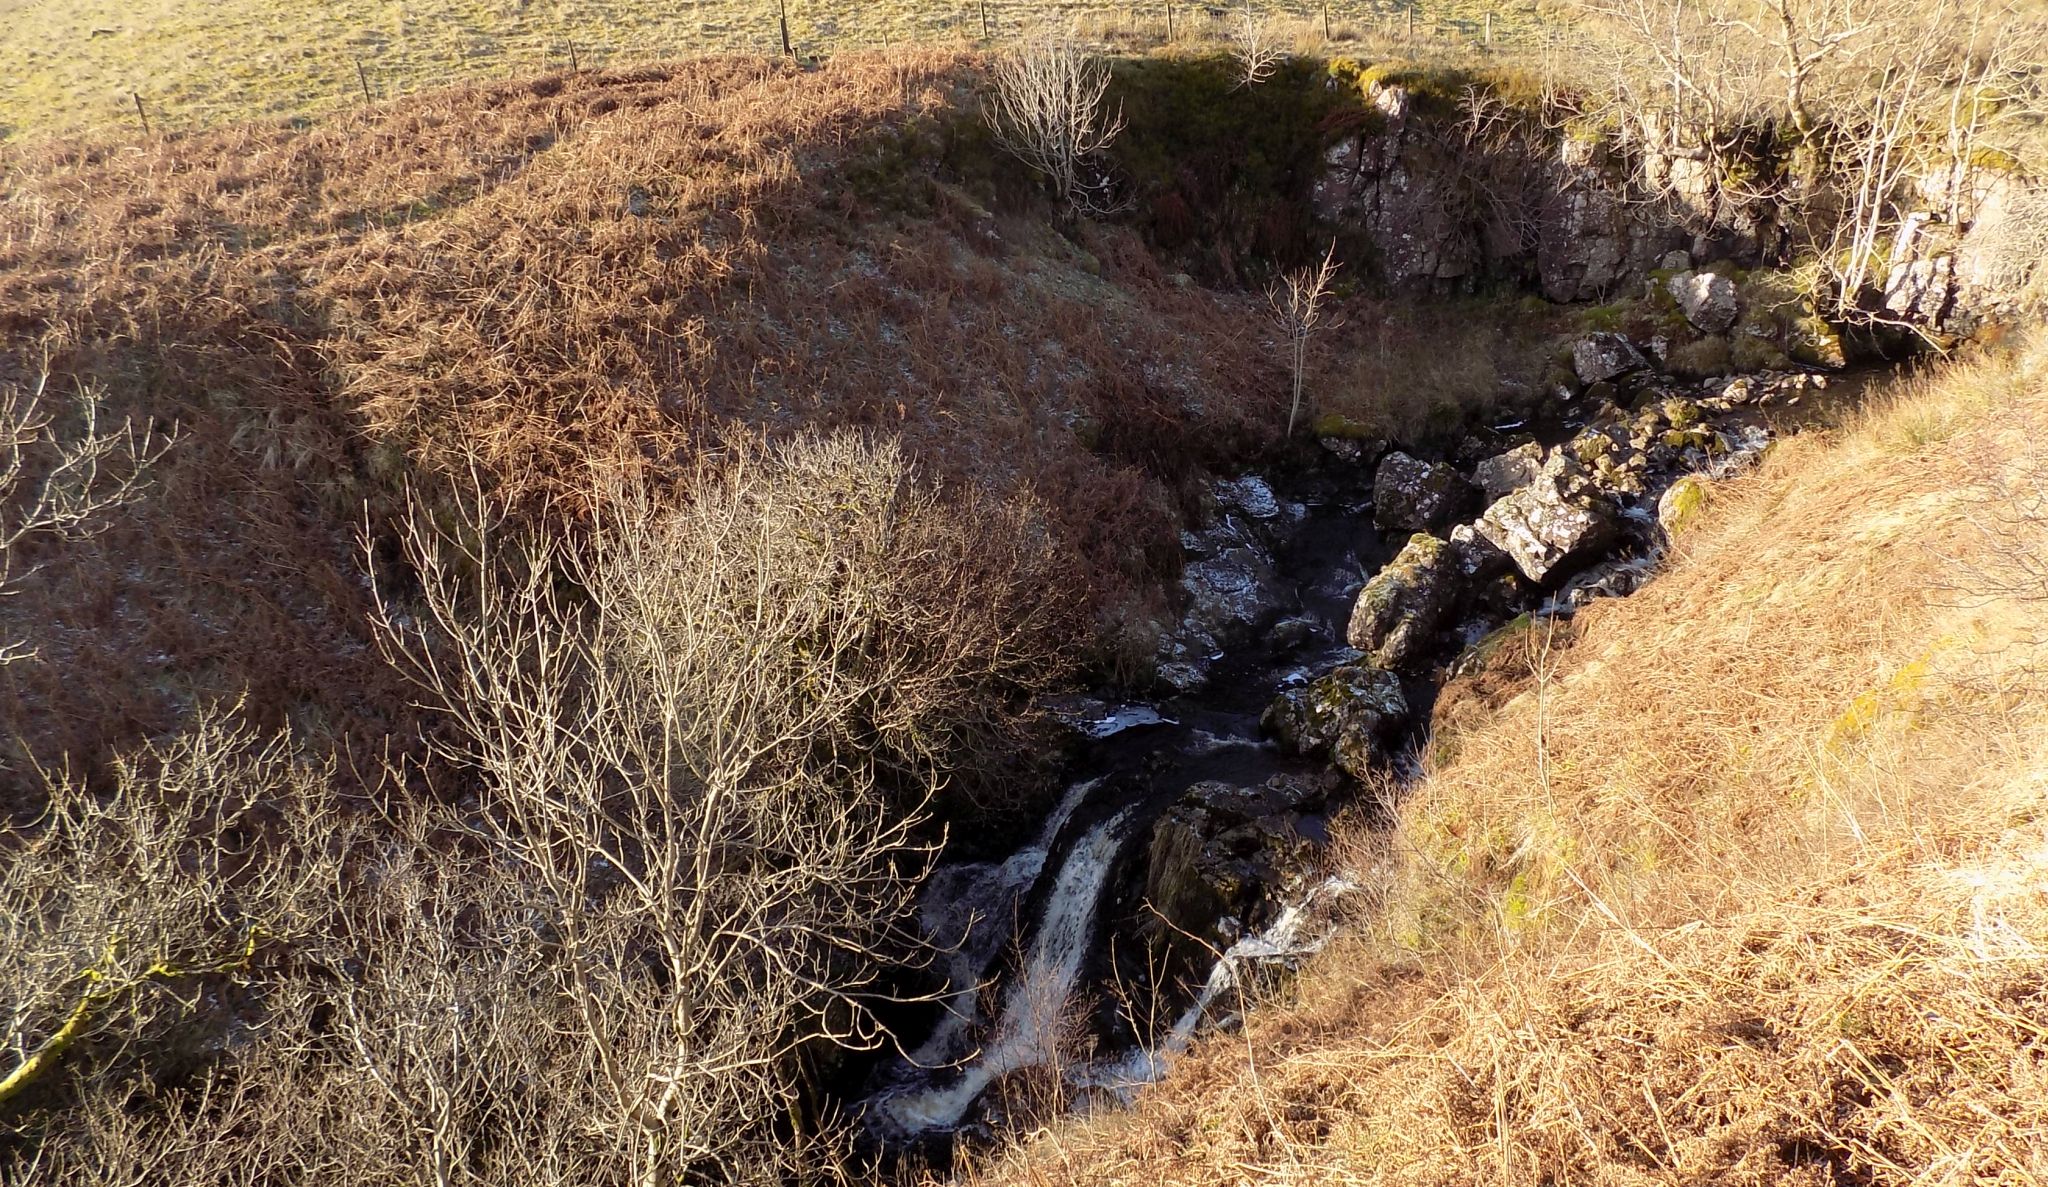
<point x="82" y="64"/>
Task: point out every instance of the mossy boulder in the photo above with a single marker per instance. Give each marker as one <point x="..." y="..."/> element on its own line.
<point x="1556" y="524"/>
<point x="1409" y="494"/>
<point x="1397" y="614"/>
<point x="1681" y="504"/>
<point x="1349" y="715"/>
<point x="1681" y="413"/>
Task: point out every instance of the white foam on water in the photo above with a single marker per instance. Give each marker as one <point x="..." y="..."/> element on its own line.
<point x="1026" y="1034"/>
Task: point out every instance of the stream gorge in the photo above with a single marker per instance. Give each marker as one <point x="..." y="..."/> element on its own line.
<point x="1324" y="609"/>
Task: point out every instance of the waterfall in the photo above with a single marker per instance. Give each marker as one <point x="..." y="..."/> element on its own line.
<point x="1027" y="1032"/>
<point x="963" y="910"/>
<point x="1287" y="938"/>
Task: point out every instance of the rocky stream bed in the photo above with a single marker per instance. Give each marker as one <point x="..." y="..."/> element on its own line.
<point x="1323" y="609"/>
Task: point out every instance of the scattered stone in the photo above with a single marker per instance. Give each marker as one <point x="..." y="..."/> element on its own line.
<point x="1503" y="475"/>
<point x="1675" y="261"/>
<point x="1615" y="579"/>
<point x="1412" y="495"/>
<point x="1248" y="495"/>
<point x="1350" y="714"/>
<point x="1681" y="503"/>
<point x="1555" y="524"/>
<point x="1707" y="299"/>
<point x="1742" y="448"/>
<point x="1398" y="612"/>
<point x="1600" y="357"/>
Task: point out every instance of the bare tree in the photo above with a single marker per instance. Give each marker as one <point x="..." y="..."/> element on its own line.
<point x="59" y="481"/>
<point x="116" y="911"/>
<point x="1890" y="103"/>
<point x="1297" y="300"/>
<point x="706" y="769"/>
<point x="1255" y="48"/>
<point x="1048" y="110"/>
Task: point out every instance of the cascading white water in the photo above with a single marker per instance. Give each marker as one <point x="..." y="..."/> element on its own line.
<point x="1028" y="1030"/>
<point x="963" y="911"/>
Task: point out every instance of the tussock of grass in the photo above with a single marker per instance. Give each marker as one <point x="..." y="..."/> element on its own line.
<point x="1746" y="881"/>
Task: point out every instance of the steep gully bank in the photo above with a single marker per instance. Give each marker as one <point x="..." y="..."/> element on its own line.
<point x="1188" y="850"/>
<point x="1324" y="609"/>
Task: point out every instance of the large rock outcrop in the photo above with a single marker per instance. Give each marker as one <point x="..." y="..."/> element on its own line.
<point x="1556" y="523"/>
<point x="1411" y="495"/>
<point x="1348" y="715"/>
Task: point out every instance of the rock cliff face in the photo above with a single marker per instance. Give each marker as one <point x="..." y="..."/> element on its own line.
<point x="1442" y="206"/>
<point x="1447" y="202"/>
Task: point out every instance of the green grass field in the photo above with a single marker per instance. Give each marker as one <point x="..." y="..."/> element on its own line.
<point x="73" y="65"/>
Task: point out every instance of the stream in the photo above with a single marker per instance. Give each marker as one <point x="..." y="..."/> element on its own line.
<point x="1037" y="950"/>
<point x="1136" y="761"/>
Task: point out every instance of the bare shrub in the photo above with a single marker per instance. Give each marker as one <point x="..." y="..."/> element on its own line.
<point x="1297" y="300"/>
<point x="120" y="915"/>
<point x="708" y="766"/>
<point x="1047" y="110"/>
<point x="58" y="481"/>
<point x="1852" y="122"/>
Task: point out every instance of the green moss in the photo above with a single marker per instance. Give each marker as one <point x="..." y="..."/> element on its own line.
<point x="1340" y="427"/>
<point x="1605" y="317"/>
<point x="1682" y="504"/>
<point x="1681" y="413"/>
<point x="1747" y="352"/>
<point x="1699" y="359"/>
<point x="1441" y="89"/>
<point x="1995" y="160"/>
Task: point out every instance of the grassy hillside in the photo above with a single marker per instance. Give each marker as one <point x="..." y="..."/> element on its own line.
<point x="74" y="64"/>
<point x="530" y="279"/>
<point x="1739" y="880"/>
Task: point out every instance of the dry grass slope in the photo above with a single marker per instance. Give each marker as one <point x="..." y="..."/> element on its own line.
<point x="1745" y="881"/>
<point x="617" y="266"/>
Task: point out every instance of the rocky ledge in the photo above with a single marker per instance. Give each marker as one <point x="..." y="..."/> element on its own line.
<point x="1501" y="527"/>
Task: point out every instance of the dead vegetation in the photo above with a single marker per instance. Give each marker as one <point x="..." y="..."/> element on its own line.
<point x="699" y="740"/>
<point x="620" y="267"/>
<point x="1740" y="882"/>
